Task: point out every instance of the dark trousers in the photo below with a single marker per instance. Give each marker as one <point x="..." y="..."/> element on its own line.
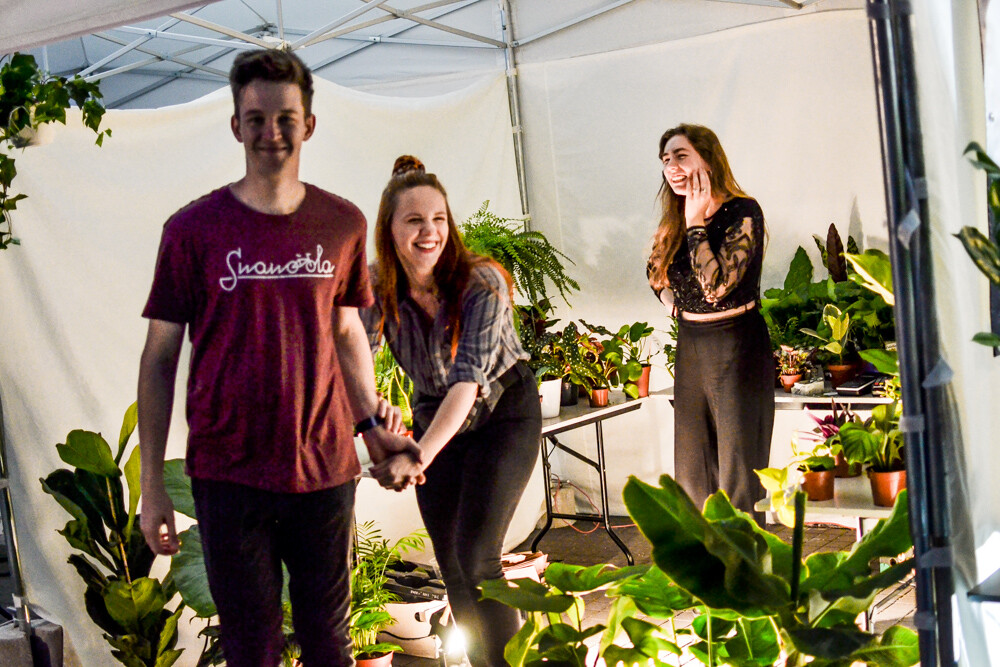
<point x="723" y="408"/>
<point x="472" y="489"/>
<point x="246" y="535"/>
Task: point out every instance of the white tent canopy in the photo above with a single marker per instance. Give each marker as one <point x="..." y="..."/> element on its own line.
<point x="788" y="87"/>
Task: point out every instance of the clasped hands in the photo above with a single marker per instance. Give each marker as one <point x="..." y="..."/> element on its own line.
<point x="397" y="458"/>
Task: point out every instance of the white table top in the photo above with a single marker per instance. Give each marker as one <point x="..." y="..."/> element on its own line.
<point x="581" y="414"/>
<point x="785" y="401"/>
<point x="852" y="497"/>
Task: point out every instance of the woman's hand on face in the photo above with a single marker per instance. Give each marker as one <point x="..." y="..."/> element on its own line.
<point x="698" y="197"/>
<point x="392" y="417"/>
<point x="398" y="472"/>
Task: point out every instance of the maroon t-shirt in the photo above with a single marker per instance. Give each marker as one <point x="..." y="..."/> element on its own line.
<point x="266" y="401"/>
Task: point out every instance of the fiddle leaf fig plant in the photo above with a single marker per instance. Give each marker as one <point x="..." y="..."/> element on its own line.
<point x="111" y="554"/>
<point x="29" y="98"/>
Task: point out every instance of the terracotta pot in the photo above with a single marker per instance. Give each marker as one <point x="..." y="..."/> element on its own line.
<point x="841" y="373"/>
<point x="568" y="393"/>
<point x="844" y="470"/>
<point x="598" y="398"/>
<point x="886" y="486"/>
<point x="788" y="380"/>
<point x="381" y="661"/>
<point x="643" y="382"/>
<point x="818" y="485"/>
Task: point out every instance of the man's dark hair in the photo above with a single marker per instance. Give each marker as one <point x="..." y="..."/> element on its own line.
<point x="270" y="65"/>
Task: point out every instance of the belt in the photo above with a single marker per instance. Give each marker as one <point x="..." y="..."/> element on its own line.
<point x="721" y="315"/>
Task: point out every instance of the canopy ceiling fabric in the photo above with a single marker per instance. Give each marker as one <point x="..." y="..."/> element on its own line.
<point x="28" y="23"/>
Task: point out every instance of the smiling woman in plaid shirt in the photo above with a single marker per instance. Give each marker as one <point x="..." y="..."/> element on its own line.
<point x="447" y="317"/>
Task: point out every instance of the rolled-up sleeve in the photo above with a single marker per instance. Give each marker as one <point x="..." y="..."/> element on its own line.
<point x="486" y="310"/>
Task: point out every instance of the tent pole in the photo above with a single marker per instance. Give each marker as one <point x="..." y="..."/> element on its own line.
<point x="513" y="94"/>
<point x="10" y="538"/>
<point x="925" y="423"/>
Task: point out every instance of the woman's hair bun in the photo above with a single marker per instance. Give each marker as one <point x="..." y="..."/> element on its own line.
<point x="405" y="163"/>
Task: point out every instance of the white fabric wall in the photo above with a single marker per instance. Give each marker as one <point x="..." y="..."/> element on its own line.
<point x="793" y="104"/>
<point x="75" y="288"/>
<point x="949" y="69"/>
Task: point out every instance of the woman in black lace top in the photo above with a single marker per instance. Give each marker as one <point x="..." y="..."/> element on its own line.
<point x="706" y="265"/>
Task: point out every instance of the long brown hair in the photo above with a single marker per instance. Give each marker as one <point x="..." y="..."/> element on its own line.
<point x="671" y="231"/>
<point x="453" y="268"/>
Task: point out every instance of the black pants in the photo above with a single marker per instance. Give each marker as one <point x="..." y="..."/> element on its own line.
<point x="723" y="408"/>
<point x="472" y="489"/>
<point x="246" y="534"/>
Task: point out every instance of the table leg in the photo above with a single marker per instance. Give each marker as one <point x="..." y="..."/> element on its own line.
<point x="603" y="475"/>
<point x="547" y="478"/>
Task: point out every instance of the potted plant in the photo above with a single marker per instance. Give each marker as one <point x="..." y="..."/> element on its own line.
<point x="570" y="355"/>
<point x="793" y="362"/>
<point x="29" y="99"/>
<point x="877" y="444"/>
<point x="369" y="595"/>
<point x="628" y="350"/>
<point x="111" y="555"/>
<point x="527" y="255"/>
<point x="836" y="331"/>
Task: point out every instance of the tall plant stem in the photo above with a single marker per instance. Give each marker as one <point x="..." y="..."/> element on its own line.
<point x="121" y="545"/>
<point x="797" y="537"/>
<point x="708" y="635"/>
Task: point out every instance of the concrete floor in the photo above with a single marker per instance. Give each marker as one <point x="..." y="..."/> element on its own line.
<point x="582" y="545"/>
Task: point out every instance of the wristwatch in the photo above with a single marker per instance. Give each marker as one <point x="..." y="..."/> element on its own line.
<point x="367" y="423"/>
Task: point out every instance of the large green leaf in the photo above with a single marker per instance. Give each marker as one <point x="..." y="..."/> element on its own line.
<point x="579" y="579"/>
<point x="885" y="361"/>
<point x="984" y="253"/>
<point x="187" y="567"/>
<point x="178" y="487"/>
<point x="525" y="594"/>
<point x="829" y="643"/>
<point x="874" y="271"/>
<point x="135" y="606"/>
<point x="800" y="271"/>
<point x="655" y="594"/>
<point x="88" y="451"/>
<point x="898" y="647"/>
<point x="517" y="649"/>
<point x="755" y="644"/>
<point x="168" y="636"/>
<point x="129" y="423"/>
<point x="717" y="562"/>
<point x="987" y="338"/>
<point x="64" y="487"/>
<point x="132" y="470"/>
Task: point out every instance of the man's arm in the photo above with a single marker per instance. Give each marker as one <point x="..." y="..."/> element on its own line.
<point x="355" y="355"/>
<point x="157" y="372"/>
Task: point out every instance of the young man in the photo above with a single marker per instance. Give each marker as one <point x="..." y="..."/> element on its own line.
<point x="268" y="273"/>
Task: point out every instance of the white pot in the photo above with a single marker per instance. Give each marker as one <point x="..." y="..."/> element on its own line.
<point x="549" y="391"/>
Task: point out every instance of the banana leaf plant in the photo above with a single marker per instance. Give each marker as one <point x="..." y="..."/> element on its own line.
<point x="757" y="601"/>
<point x="114" y="559"/>
<point x="985" y="253"/>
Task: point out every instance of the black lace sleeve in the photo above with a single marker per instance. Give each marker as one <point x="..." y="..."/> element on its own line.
<point x="720" y="272"/>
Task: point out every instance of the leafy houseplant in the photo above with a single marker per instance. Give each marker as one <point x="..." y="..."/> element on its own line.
<point x="757" y="601"/>
<point x="526" y="255"/>
<point x="369" y="595"/>
<point x="627" y="350"/>
<point x="30" y="98"/>
<point x="835" y="327"/>
<point x="877" y="442"/>
<point x="393" y="383"/>
<point x="985" y="253"/>
<point x="114" y="560"/>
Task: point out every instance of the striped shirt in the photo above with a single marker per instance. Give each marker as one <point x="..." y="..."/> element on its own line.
<point x="488" y="345"/>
